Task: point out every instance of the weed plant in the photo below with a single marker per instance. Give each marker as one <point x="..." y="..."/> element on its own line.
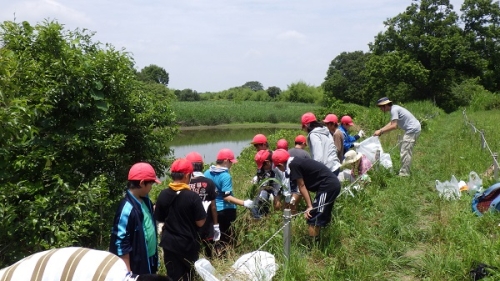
<point x="211" y="113"/>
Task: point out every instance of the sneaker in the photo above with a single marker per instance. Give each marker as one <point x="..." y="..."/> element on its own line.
<point x="403" y="175"/>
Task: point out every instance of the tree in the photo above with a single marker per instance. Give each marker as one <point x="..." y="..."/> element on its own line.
<point x="253" y="85"/>
<point x="302" y="92"/>
<point x="345" y="78"/>
<point x="481" y="20"/>
<point x="426" y="36"/>
<point x="76" y="119"/>
<point x="187" y="95"/>
<point x="153" y="73"/>
<point x="273" y="91"/>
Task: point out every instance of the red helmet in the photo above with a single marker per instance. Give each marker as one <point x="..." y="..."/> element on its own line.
<point x="282" y="143"/>
<point x="280" y="156"/>
<point x="346" y="120"/>
<point x="331" y="118"/>
<point x="300" y="139"/>
<point x="194" y="157"/>
<point x="259" y="138"/>
<point x="308" y="118"/>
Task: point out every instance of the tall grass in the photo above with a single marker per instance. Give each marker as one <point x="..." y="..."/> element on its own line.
<point x="396" y="228"/>
<point x="224" y="112"/>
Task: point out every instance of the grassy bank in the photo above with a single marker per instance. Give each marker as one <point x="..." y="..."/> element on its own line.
<point x="397" y="228"/>
<point x="210" y="113"/>
<point x="243" y="126"/>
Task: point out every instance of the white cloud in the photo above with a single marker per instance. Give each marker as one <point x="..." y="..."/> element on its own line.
<point x="291" y="34"/>
<point x="39" y="10"/>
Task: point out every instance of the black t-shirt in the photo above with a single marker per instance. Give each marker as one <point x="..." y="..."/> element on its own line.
<point x="179" y="210"/>
<point x="205" y="188"/>
<point x="316" y="176"/>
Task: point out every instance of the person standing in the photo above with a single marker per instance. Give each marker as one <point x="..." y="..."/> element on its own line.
<point x="402" y="118"/>
<point x="182" y="213"/>
<point x="332" y="123"/>
<point x="205" y="188"/>
<point x="311" y="175"/>
<point x="320" y="142"/>
<point x="225" y="200"/>
<point x="349" y="141"/>
<point x="133" y="235"/>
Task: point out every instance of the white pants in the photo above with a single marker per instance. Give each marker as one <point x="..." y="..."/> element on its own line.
<point x="406" y="152"/>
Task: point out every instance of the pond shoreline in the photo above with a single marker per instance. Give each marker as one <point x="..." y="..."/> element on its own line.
<point x="244" y="126"/>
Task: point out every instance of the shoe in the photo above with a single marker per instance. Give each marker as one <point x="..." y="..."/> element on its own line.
<point x="403" y="175"/>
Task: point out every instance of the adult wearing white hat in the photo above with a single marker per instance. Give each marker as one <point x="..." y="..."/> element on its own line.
<point x="402" y="118"/>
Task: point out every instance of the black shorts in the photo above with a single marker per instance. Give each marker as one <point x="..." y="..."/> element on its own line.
<point x="321" y="215"/>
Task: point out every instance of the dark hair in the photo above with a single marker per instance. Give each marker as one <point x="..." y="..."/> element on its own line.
<point x="177" y="175"/>
<point x="299" y="142"/>
<point x="133" y="184"/>
<point x="313" y="125"/>
<point x="153" y="277"/>
<point x="197" y="167"/>
<point x="219" y="162"/>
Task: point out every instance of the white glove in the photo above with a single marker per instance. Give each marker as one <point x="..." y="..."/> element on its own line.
<point x="159" y="227"/>
<point x="206" y="204"/>
<point x="216" y="232"/>
<point x="356" y="144"/>
<point x="255" y="180"/>
<point x="248" y="203"/>
<point x="361" y="133"/>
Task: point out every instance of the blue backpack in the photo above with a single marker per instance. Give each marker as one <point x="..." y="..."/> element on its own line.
<point x="487" y="200"/>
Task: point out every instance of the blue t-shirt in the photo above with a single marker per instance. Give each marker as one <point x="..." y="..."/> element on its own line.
<point x="224" y="183"/>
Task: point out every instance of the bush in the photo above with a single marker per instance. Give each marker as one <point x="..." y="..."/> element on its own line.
<point x="76" y="119"/>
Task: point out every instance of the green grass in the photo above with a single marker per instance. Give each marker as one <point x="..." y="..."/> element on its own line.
<point x="397" y="228"/>
<point x="211" y="113"/>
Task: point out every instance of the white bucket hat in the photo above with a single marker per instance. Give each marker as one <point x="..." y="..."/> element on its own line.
<point x="351" y="156"/>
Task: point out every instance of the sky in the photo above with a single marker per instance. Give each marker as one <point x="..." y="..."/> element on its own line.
<point x="213" y="45"/>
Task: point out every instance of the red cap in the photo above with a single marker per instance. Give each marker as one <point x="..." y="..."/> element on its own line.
<point x="308" y="118"/>
<point x="347" y="120"/>
<point x="282" y="143"/>
<point x="261" y="156"/>
<point x="181" y="165"/>
<point x="259" y="138"/>
<point x="301" y="139"/>
<point x="226" y="154"/>
<point x="194" y="157"/>
<point x="331" y="118"/>
<point x="142" y="171"/>
<point x="280" y="156"/>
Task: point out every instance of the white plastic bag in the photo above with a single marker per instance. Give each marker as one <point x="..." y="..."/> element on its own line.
<point x="475" y="183"/>
<point x="385" y="160"/>
<point x="254" y="266"/>
<point x="369" y="148"/>
<point x="449" y="189"/>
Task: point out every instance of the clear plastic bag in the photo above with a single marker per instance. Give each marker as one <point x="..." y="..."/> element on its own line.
<point x="448" y="190"/>
<point x="475" y="183"/>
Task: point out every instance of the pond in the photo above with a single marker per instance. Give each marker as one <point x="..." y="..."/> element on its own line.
<point x="208" y="142"/>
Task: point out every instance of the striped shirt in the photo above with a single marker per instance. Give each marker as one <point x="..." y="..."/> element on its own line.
<point x="67" y="264"/>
